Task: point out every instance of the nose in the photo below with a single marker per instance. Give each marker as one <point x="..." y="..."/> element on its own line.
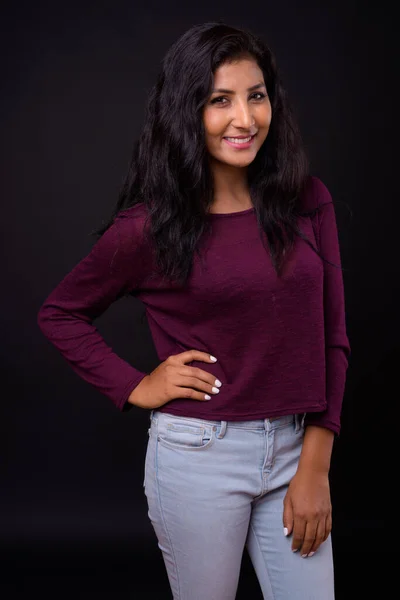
<point x="243" y="117"/>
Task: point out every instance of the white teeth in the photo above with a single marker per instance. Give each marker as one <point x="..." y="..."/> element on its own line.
<point x="239" y="141"/>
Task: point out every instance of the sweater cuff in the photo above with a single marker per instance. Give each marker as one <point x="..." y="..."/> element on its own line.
<point x="123" y="405"/>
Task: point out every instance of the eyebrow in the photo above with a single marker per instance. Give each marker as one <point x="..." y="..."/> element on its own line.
<point x="250" y="89"/>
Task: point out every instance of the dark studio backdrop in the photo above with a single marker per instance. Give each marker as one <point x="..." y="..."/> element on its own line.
<point x="75" y="80"/>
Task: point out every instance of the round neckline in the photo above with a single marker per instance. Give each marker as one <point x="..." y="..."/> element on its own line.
<point x="232" y="214"/>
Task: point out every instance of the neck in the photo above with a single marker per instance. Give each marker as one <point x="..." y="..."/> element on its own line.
<point x="231" y="188"/>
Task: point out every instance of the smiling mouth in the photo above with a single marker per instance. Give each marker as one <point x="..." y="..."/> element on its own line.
<point x="239" y="144"/>
<point x="241" y="140"/>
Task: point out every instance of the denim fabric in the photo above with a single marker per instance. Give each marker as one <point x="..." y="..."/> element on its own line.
<point x="213" y="487"/>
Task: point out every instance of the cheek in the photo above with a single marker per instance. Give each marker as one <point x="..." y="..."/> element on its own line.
<point x="214" y="124"/>
<point x="264" y="116"/>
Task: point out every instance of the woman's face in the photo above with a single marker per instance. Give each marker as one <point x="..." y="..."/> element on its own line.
<point x="238" y="114"/>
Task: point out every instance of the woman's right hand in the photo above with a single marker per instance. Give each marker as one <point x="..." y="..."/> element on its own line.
<point x="172" y="379"/>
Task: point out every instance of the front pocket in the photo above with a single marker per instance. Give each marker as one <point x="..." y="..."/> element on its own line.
<point x="185" y="436"/>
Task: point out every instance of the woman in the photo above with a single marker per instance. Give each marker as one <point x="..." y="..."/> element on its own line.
<point x="232" y="247"/>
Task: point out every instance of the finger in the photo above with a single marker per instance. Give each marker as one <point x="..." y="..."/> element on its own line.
<point x="200" y="375"/>
<point x="299" y="529"/>
<point x="319" y="537"/>
<point x="193" y="382"/>
<point x="287" y="517"/>
<point x="190" y="393"/>
<point x="190" y="355"/>
<point x="309" y="538"/>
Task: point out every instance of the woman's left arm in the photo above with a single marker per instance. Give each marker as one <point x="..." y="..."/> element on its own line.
<point x="307" y="513"/>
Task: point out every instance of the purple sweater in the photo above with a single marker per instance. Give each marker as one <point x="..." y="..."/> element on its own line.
<point x="281" y="344"/>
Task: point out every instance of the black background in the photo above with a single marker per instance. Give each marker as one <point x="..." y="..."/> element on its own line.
<point x="75" y="79"/>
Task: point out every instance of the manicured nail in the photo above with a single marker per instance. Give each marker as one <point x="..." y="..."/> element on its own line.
<point x="218" y="383"/>
<point x="311" y="553"/>
<point x="295" y="550"/>
<point x="285" y="531"/>
<point x="304" y="555"/>
<point x="213" y="358"/>
<point x="207" y="397"/>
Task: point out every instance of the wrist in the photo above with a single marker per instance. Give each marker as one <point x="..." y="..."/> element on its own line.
<point x="311" y="466"/>
<point x="132" y="398"/>
<point x="136" y="397"/>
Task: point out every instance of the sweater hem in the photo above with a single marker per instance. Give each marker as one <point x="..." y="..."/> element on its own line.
<point x="264" y="414"/>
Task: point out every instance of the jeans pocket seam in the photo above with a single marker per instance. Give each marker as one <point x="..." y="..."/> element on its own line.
<point x="178" y="446"/>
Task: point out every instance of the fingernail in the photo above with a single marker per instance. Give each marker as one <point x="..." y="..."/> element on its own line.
<point x="295" y="550"/>
<point x="304" y="555"/>
<point x="311" y="553"/>
<point x="213" y="358"/>
<point x="285" y="531"/>
<point x="218" y="383"/>
<point x="207" y="397"/>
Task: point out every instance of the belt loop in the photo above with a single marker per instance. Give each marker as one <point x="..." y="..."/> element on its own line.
<point x="222" y="431"/>
<point x="297" y="423"/>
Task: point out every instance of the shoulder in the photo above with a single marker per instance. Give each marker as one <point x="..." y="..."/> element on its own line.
<point x="314" y="194"/>
<point x="132" y="217"/>
<point x="129" y="223"/>
<point x="124" y="236"/>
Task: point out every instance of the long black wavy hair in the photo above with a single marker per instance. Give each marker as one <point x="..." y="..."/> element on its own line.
<point x="169" y="170"/>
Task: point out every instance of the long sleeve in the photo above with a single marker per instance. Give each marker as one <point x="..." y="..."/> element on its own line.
<point x="113" y="268"/>
<point x="337" y="347"/>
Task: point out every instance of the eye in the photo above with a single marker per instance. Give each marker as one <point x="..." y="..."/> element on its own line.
<point x="217" y="100"/>
<point x="220" y="99"/>
<point x="262" y="96"/>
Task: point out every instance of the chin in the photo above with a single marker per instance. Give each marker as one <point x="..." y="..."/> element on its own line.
<point x="240" y="163"/>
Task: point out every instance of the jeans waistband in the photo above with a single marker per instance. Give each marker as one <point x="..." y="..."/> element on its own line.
<point x="267" y="423"/>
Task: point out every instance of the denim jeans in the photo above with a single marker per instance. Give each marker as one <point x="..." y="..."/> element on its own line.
<point x="214" y="487"/>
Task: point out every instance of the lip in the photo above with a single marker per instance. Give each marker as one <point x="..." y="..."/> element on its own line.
<point x="240" y="146"/>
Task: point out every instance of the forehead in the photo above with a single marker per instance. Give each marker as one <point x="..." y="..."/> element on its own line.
<point x="240" y="74"/>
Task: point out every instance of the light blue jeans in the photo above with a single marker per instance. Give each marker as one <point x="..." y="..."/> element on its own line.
<point x="214" y="487"/>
